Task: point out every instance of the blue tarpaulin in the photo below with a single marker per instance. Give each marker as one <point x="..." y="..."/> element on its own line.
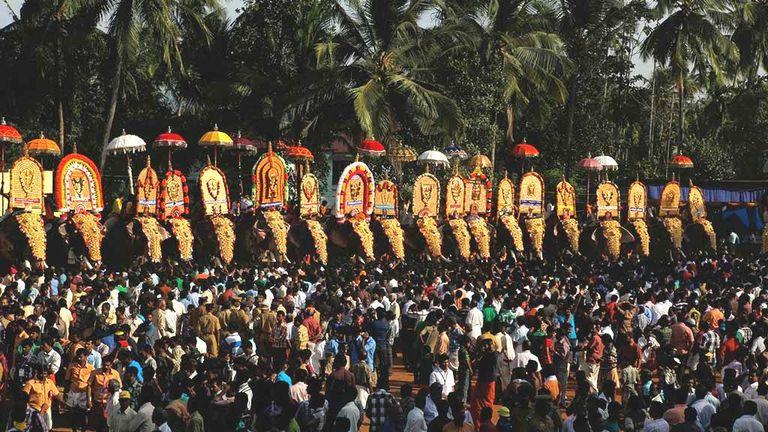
<point x="717" y="194"/>
<point x="743" y="219"/>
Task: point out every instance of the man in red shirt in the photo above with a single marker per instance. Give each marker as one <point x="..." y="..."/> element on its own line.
<point x="594" y="355"/>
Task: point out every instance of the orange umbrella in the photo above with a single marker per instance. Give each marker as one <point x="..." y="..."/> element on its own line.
<point x="681" y="162"/>
<point x="299" y="152"/>
<point x="43" y="145"/>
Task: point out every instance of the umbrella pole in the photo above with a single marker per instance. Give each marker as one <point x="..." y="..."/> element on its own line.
<point x="130" y="175"/>
<point x="215" y="155"/>
<point x="240" y="172"/>
<point x="169" y="159"/>
<point x="587" y="206"/>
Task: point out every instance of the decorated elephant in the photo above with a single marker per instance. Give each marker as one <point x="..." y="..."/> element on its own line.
<point x="23" y="238"/>
<point x="257" y="240"/>
<point x="74" y="240"/>
<point x="351" y="238"/>
<point x="459" y="240"/>
<point x="214" y="234"/>
<point x="134" y="240"/>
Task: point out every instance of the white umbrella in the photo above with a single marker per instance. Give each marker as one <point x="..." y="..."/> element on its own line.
<point x="125" y="144"/>
<point x="607" y="162"/>
<point x="433" y="157"/>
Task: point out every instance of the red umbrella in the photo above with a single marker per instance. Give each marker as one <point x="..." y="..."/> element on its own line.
<point x="524" y="150"/>
<point x="9" y="134"/>
<point x="371" y="148"/>
<point x="171" y="141"/>
<point x="589" y="164"/>
<point x="681" y="162"/>
<point x="242" y="145"/>
<point x="299" y="152"/>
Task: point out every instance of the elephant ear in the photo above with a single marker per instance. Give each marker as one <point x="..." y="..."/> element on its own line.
<point x="164" y="234"/>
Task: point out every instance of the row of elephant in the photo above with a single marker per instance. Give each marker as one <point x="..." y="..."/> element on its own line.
<point x="124" y="241"/>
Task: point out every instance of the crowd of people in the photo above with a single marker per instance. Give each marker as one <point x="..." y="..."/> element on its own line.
<point x="506" y="345"/>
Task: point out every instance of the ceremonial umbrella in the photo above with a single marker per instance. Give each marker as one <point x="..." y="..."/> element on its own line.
<point x="681" y="162"/>
<point x="608" y="163"/>
<point x="299" y="153"/>
<point x="372" y="148"/>
<point x="8" y="135"/>
<point x="479" y="161"/>
<point x="524" y="151"/>
<point x="125" y="144"/>
<point x="455" y="152"/>
<point x="435" y="157"/>
<point x="43" y="145"/>
<point x="171" y="141"/>
<point x="589" y="164"/>
<point x="215" y="138"/>
<point x="242" y="146"/>
<point x="400" y="154"/>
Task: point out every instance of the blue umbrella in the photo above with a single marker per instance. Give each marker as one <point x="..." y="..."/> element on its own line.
<point x="455" y="152"/>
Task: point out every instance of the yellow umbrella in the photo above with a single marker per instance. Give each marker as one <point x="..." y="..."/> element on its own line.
<point x="216" y="138"/>
<point x="480" y="161"/>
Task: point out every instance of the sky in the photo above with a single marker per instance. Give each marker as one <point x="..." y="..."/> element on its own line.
<point x="231" y="6"/>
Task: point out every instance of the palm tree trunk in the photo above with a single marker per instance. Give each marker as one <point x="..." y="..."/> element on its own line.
<point x="681" y="108"/>
<point x="112" y="105"/>
<point x="510" y="124"/>
<point x="653" y="112"/>
<point x="571" y="115"/>
<point x="59" y="92"/>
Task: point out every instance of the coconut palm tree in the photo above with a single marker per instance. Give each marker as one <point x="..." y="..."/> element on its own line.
<point x="689" y="38"/>
<point x="751" y="36"/>
<point x="133" y="24"/>
<point x="379" y="59"/>
<point x="533" y="61"/>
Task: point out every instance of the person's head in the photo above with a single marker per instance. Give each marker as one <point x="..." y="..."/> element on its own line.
<point x="125" y="400"/>
<point x="750" y="408"/>
<point x="436" y="391"/>
<point x="691" y="415"/>
<point x="131" y="374"/>
<point x="657" y="410"/>
<point x="406" y="390"/>
<point x="46" y="344"/>
<point x="341" y="424"/>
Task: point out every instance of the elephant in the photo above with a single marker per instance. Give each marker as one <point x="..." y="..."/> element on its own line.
<point x="301" y="246"/>
<point x="206" y="244"/>
<point x="254" y="240"/>
<point x="125" y="241"/>
<point x="343" y="240"/>
<point x="15" y="247"/>
<point x="65" y="244"/>
<point x="596" y="243"/>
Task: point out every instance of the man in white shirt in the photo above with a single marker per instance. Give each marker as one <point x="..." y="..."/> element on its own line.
<point x="475" y="321"/>
<point x="122" y="419"/>
<point x="747" y="422"/>
<point x="48" y="356"/>
<point x="703" y="407"/>
<point x="415" y="422"/>
<point x="443" y="375"/>
<point x="525" y="356"/>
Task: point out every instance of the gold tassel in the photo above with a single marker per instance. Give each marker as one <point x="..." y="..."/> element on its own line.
<point x="645" y="239"/>
<point x="675" y="229"/>
<point x="182" y="230"/>
<point x="612" y="233"/>
<point x="31" y="225"/>
<point x="482" y="236"/>
<point x="535" y="227"/>
<point x="151" y="229"/>
<point x="461" y="233"/>
<point x="279" y="230"/>
<point x="510" y="222"/>
<point x="707" y="225"/>
<point x="394" y="233"/>
<point x="363" y="231"/>
<point x="319" y="238"/>
<point x="428" y="228"/>
<point x="571" y="228"/>
<point x="89" y="227"/>
<point x="225" y="236"/>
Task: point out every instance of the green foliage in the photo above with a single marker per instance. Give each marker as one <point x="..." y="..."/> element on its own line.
<point x="482" y="74"/>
